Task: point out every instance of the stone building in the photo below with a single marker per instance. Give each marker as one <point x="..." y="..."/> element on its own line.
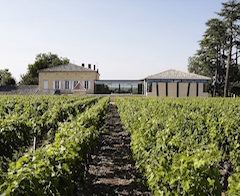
<point x="69" y="78"/>
<point x="173" y="83"/>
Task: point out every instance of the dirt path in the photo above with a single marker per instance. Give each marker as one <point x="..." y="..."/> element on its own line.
<point x="111" y="170"/>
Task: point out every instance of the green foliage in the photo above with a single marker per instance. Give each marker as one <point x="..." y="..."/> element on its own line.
<point x="58" y="168"/>
<point x="42" y="61"/>
<point x="26" y="117"/>
<point x="179" y="144"/>
<point x="6" y="78"/>
<point x="215" y="57"/>
<point x="234" y="184"/>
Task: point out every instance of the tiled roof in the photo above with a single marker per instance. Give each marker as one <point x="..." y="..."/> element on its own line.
<point x="68" y="67"/>
<point x="179" y="75"/>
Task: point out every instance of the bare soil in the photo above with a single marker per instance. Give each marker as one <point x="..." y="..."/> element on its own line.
<point x="111" y="169"/>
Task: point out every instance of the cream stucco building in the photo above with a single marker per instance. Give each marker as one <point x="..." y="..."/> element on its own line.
<point x="68" y="78"/>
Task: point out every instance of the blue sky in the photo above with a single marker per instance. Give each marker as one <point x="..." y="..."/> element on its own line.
<point x="126" y="39"/>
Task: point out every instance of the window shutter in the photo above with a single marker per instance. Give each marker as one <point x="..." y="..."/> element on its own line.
<point x="70" y="86"/>
<point x="89" y="85"/>
<point x="83" y="84"/>
<point x="53" y="84"/>
<point x="45" y="84"/>
<point x="63" y="84"/>
<point x="59" y="84"/>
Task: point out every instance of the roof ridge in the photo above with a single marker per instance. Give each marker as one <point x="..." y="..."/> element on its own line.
<point x="67" y="67"/>
<point x="176" y="74"/>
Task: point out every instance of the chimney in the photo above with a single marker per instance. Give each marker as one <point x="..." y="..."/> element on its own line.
<point x="94" y="67"/>
<point x="83" y="65"/>
<point x="89" y="66"/>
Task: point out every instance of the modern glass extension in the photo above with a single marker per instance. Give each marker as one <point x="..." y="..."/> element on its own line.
<point x="118" y="87"/>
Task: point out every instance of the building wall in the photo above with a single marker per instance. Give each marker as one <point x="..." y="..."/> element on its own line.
<point x="200" y="91"/>
<point x="193" y="90"/>
<point x="172" y="90"/>
<point x="162" y="89"/>
<point x="67" y="76"/>
<point x="154" y="90"/>
<point x="183" y="88"/>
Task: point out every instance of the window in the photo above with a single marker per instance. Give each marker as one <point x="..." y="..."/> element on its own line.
<point x="166" y="89"/>
<point x="205" y="87"/>
<point x="177" y="89"/>
<point x="197" y="87"/>
<point x="67" y="86"/>
<point x="149" y="87"/>
<point x="57" y="85"/>
<point x="86" y="85"/>
<point x="188" y="90"/>
<point x="75" y="83"/>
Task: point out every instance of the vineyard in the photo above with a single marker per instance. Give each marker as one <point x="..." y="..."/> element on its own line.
<point x="185" y="146"/>
<point x="45" y="141"/>
<point x="180" y="146"/>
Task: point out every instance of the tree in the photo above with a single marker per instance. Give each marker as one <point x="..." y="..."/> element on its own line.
<point x="199" y="64"/>
<point x="41" y="61"/>
<point x="215" y="58"/>
<point x="6" y="78"/>
<point x="231" y="15"/>
<point x="215" y="43"/>
<point x="209" y="60"/>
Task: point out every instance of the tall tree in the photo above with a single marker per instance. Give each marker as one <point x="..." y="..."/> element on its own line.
<point x="215" y="57"/>
<point x="41" y="61"/>
<point x="6" y="78"/>
<point x="231" y="15"/>
<point x="215" y="42"/>
<point x="209" y="60"/>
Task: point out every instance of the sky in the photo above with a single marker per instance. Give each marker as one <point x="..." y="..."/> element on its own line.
<point x="126" y="39"/>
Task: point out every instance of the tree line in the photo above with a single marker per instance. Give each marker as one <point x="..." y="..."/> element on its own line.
<point x="42" y="61"/>
<point x="219" y="51"/>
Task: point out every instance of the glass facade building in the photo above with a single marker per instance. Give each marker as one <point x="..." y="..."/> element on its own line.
<point x="118" y="87"/>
